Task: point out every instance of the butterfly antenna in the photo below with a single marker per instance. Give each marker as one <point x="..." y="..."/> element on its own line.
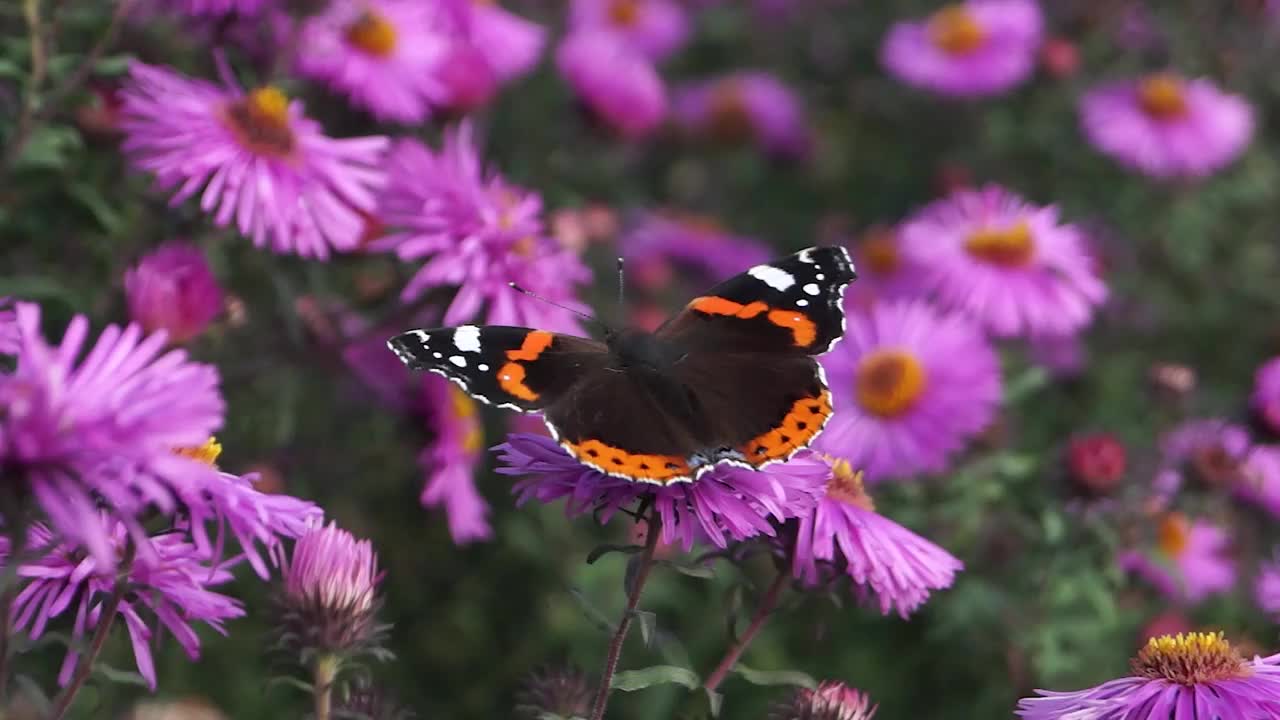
<point x="553" y="303"/>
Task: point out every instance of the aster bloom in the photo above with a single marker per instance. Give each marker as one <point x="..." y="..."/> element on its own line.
<point x="884" y="271"/>
<point x="100" y="432"/>
<point x="511" y="45"/>
<point x="656" y="28"/>
<point x="1190" y="562"/>
<point x="696" y="243"/>
<point x="969" y="49"/>
<point x="478" y="233"/>
<point x="1265" y="400"/>
<point x="910" y="387"/>
<point x="617" y="83"/>
<point x="1167" y="126"/>
<point x="561" y="691"/>
<point x="1009" y="264"/>
<point x="1266" y="587"/>
<point x="165" y="585"/>
<point x="450" y="461"/>
<point x="1175" y="677"/>
<point x="383" y="54"/>
<point x="206" y="8"/>
<point x="330" y="598"/>
<point x="845" y="533"/>
<point x="1220" y="456"/>
<point x="745" y="106"/>
<point x="173" y="289"/>
<point x="259" y="160"/>
<point x="729" y="503"/>
<point x="831" y="700"/>
<point x="9" y="335"/>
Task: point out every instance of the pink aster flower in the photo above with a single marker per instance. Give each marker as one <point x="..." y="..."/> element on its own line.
<point x="845" y="533"/>
<point x="1190" y="561"/>
<point x="450" y="461"/>
<point x="1167" y="126"/>
<point x="884" y="271"/>
<point x="656" y="28"/>
<point x="691" y="242"/>
<point x="745" y="106"/>
<point x="1011" y="265"/>
<point x="1182" y="677"/>
<point x="478" y="233"/>
<point x="831" y="700"/>
<point x="729" y="503"/>
<point x="1266" y="588"/>
<point x="330" y="596"/>
<point x="259" y="160"/>
<point x="166" y="585"/>
<point x="9" y="335"/>
<point x="618" y="84"/>
<point x="910" y="387"/>
<point x="1265" y="400"/>
<point x="1220" y="456"/>
<point x="968" y="49"/>
<point x="512" y="45"/>
<point x="173" y="289"/>
<point x="99" y="432"/>
<point x="383" y="54"/>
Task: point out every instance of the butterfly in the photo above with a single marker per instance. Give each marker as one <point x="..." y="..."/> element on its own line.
<point x="730" y="379"/>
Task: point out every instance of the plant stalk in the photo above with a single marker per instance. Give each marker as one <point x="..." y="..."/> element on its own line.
<point x="326" y="672"/>
<point x="768" y="603"/>
<point x="85" y="667"/>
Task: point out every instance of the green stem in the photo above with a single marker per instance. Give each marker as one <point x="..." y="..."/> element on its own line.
<point x="325" y="673"/>
<point x="768" y="604"/>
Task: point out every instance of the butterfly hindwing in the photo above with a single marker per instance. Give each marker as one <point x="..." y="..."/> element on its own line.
<point x="511" y="367"/>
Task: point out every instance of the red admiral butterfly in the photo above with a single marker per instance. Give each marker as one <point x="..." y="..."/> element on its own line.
<point x="731" y="378"/>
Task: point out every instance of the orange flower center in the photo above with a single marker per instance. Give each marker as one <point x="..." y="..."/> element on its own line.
<point x="1162" y="96"/>
<point x="846" y="485"/>
<point x="880" y="249"/>
<point x="1008" y="247"/>
<point x="730" y="118"/>
<point x="955" y="30"/>
<point x="624" y="13"/>
<point x="889" y="382"/>
<point x="1173" y="534"/>
<point x="207" y="453"/>
<point x="1191" y="659"/>
<point x="260" y="121"/>
<point x="373" y="34"/>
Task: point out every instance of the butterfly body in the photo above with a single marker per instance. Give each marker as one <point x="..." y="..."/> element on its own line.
<point x="732" y="378"/>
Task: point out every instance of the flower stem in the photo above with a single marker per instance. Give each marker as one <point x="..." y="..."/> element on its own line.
<point x="768" y="604"/>
<point x="85" y="667"/>
<point x="326" y="671"/>
<point x="624" y="625"/>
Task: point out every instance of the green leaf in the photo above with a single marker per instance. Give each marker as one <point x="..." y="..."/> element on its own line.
<point x="90" y="196"/>
<point x="112" y="65"/>
<point x="292" y="682"/>
<point x="1025" y="384"/>
<point x="632" y="680"/>
<point x="702" y="572"/>
<point x="715" y="701"/>
<point x="597" y="618"/>
<point x="600" y="551"/>
<point x="38" y="288"/>
<point x="120" y="677"/>
<point x="648" y="622"/>
<point x="775" y="677"/>
<point x="50" y="148"/>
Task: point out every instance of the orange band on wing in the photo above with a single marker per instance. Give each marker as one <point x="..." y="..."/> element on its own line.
<point x="533" y="345"/>
<point x="801" y="327"/>
<point x="796" y="430"/>
<point x="803" y="330"/>
<point x="511" y="379"/>
<point x="722" y="306"/>
<point x="651" y="468"/>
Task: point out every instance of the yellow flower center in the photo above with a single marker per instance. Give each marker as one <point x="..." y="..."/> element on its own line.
<point x="261" y="121"/>
<point x="207" y="453"/>
<point x="889" y="382"/>
<point x="464" y="409"/>
<point x="730" y="118"/>
<point x="846" y="484"/>
<point x="879" y="248"/>
<point x="1008" y="247"/>
<point x="373" y="34"/>
<point x="1162" y="96"/>
<point x="1190" y="659"/>
<point x="955" y="30"/>
<point x="1173" y="534"/>
<point x="624" y="13"/>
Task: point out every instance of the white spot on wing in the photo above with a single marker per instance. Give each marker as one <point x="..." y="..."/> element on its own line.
<point x="773" y="277"/>
<point x="458" y="360"/>
<point x="467" y="338"/>
<point x="437" y="355"/>
<point x="483" y="367"/>
<point x="802" y="303"/>
<point x="812" y="289"/>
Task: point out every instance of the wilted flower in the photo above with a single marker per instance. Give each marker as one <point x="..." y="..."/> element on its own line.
<point x="450" y="460"/>
<point x="845" y="533"/>
<point x="1265" y="400"/>
<point x="1010" y="265"/>
<point x="1167" y="126"/>
<point x="911" y="386"/>
<point x="831" y="700"/>
<point x="564" y="692"/>
<point x="1097" y="462"/>
<point x="729" y="503"/>
<point x="695" y="243"/>
<point x="330" y="598"/>
<point x="1191" y="560"/>
<point x="173" y="289"/>
<point x="383" y="54"/>
<point x="1266" y="588"/>
<point x="99" y="433"/>
<point x="745" y="106"/>
<point x="260" y="161"/>
<point x="656" y="28"/>
<point x="1196" y="675"/>
<point x="967" y="49"/>
<point x="617" y="83"/>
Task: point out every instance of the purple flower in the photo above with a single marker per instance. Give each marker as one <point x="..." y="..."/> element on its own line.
<point x="845" y="532"/>
<point x="1190" y="562"/>
<point x="729" y="503"/>
<point x="384" y="54"/>
<point x="259" y="160"/>
<point x="468" y="79"/>
<point x="697" y="243"/>
<point x="1265" y="400"/>
<point x="1182" y="677"/>
<point x="330" y="596"/>
<point x="656" y="28"/>
<point x="511" y="44"/>
<point x="1220" y="456"/>
<point x="618" y="84"/>
<point x="1010" y="265"/>
<point x="1167" y="126"/>
<point x="165" y="585"/>
<point x="10" y="337"/>
<point x="450" y="461"/>
<point x="173" y="289"/>
<point x="970" y="49"/>
<point x="831" y="700"/>
<point x="203" y="8"/>
<point x="745" y="106"/>
<point x="478" y="233"/>
<point x="101" y="432"/>
<point x="884" y="271"/>
<point x="909" y="387"/>
<point x="1266" y="588"/>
